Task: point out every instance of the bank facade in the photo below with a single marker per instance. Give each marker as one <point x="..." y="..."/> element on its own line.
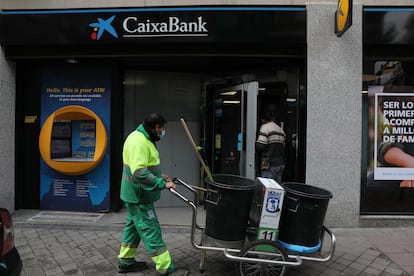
<point x="95" y="70"/>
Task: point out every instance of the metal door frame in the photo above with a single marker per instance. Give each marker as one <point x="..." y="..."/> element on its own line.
<point x="250" y="120"/>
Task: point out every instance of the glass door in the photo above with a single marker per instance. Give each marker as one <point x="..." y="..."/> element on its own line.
<point x="234" y="129"/>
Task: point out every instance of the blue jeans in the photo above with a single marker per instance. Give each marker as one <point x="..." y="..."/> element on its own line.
<point x="275" y="173"/>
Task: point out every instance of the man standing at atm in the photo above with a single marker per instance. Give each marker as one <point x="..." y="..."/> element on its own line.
<point x="270" y="148"/>
<point x="142" y="181"/>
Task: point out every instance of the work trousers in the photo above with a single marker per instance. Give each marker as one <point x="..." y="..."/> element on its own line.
<point x="142" y="225"/>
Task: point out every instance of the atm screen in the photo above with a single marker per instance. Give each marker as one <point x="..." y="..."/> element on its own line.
<point x="62" y="129"/>
<point x="61" y="148"/>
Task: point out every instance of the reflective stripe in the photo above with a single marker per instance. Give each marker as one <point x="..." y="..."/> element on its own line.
<point x="128" y="245"/>
<point x="159" y="252"/>
<point x="126" y="169"/>
<point x="147" y="172"/>
<point x="129" y="178"/>
<point x="127" y="252"/>
<point x="154" y="168"/>
<point x="146" y="176"/>
<point x="163" y="263"/>
<point x="148" y="180"/>
<point x="126" y="174"/>
<point x="140" y="172"/>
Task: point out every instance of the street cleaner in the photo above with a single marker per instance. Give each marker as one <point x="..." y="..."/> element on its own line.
<point x="142" y="182"/>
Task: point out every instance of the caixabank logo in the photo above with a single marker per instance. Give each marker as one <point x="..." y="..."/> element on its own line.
<point x="101" y="26"/>
<point x="138" y="27"/>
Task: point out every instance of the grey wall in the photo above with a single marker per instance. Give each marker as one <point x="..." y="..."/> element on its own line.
<point x="7" y="131"/>
<point x="333" y="157"/>
<point x="175" y="96"/>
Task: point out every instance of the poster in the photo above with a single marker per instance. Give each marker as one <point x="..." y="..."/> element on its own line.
<point x="394" y="126"/>
<point x="74" y="140"/>
<point x="389" y="185"/>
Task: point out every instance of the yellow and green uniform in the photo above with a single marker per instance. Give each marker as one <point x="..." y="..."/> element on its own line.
<point x="140" y="187"/>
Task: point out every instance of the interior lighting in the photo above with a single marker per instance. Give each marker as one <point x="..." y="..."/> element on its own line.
<point x="228" y="93"/>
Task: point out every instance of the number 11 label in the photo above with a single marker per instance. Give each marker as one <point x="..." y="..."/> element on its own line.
<point x="267" y="234"/>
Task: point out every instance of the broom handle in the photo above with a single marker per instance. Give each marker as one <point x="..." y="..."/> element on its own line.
<point x="190" y="137"/>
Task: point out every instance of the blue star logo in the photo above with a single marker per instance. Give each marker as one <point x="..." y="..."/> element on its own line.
<point x="101" y="26"/>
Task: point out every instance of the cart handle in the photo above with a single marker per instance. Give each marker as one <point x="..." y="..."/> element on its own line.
<point x="194" y="224"/>
<point x="188" y="186"/>
<point x="193" y="206"/>
<point x="180" y="196"/>
<point x="192" y="187"/>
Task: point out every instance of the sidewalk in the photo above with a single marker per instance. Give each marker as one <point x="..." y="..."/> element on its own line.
<point x="64" y="243"/>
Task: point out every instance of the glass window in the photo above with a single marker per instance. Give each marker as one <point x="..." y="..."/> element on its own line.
<point x="387" y="182"/>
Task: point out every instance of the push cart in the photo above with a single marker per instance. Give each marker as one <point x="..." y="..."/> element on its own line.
<point x="253" y="255"/>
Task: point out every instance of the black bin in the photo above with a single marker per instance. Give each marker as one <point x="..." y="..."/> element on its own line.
<point x="227" y="205"/>
<point x="303" y="214"/>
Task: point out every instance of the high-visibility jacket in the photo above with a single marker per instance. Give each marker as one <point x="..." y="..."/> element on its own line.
<point x="141" y="175"/>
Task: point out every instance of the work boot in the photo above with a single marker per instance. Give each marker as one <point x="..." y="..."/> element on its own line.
<point x="136" y="266"/>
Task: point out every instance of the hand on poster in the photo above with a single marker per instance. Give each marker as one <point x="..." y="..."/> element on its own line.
<point x="394" y="154"/>
<point x="397" y="157"/>
<point x="407" y="184"/>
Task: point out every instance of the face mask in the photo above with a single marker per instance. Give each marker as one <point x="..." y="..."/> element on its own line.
<point x="162" y="134"/>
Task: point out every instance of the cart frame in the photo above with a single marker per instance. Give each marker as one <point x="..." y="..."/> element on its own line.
<point x="233" y="254"/>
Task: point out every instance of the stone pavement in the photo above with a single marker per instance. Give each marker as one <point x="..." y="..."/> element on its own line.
<point x="64" y="243"/>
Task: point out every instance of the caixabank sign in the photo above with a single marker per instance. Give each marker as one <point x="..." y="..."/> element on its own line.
<point x="135" y="27"/>
<point x="141" y="25"/>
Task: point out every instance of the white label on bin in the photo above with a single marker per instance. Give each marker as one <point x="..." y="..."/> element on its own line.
<point x="269" y="183"/>
<point x="272" y="206"/>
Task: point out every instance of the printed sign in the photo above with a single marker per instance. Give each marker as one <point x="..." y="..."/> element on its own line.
<point x="388" y="187"/>
<point x="394" y="126"/>
<point x="73" y="138"/>
<point x="271" y="210"/>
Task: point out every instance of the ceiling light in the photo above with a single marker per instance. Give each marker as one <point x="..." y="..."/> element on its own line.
<point x="228" y="93"/>
<point x="71" y="60"/>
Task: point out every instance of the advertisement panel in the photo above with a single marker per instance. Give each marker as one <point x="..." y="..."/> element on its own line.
<point x="74" y="146"/>
<point x="390" y="172"/>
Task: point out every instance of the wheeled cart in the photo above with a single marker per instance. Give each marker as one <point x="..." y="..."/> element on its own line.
<point x="258" y="253"/>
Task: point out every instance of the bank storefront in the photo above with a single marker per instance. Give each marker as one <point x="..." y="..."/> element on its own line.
<point x="184" y="62"/>
<point x="86" y="78"/>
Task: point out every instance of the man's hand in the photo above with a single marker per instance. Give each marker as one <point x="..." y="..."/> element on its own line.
<point x="166" y="177"/>
<point x="170" y="184"/>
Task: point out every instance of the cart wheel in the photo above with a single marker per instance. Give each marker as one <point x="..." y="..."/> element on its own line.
<point x="253" y="249"/>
